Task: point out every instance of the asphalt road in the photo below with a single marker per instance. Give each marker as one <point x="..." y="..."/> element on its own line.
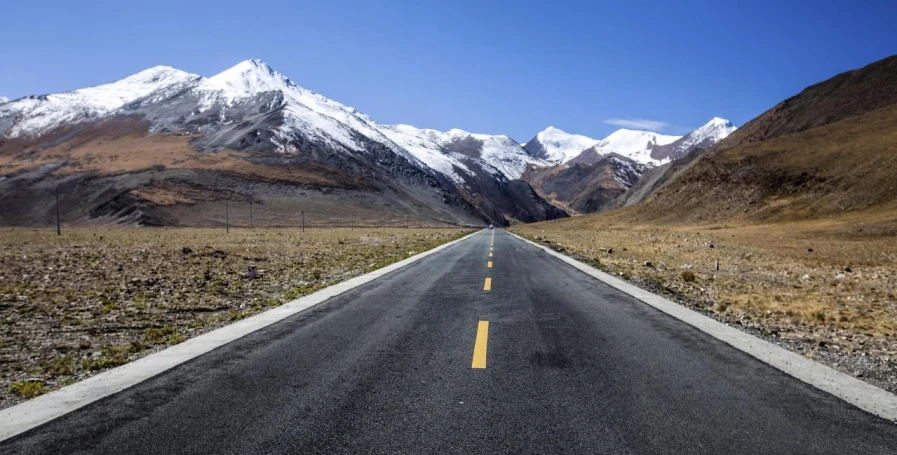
<point x="566" y="364"/>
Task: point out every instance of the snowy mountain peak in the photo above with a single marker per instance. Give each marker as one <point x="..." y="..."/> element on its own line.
<point x="626" y="132"/>
<point x="706" y="136"/>
<point x="249" y="77"/>
<point x="718" y="121"/>
<point x="159" y="73"/>
<point x="716" y="129"/>
<point x="633" y="144"/>
<point x="558" y="146"/>
<point x="457" y="132"/>
<point x="3" y="99"/>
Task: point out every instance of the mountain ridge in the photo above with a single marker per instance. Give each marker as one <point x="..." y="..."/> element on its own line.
<point x="254" y="110"/>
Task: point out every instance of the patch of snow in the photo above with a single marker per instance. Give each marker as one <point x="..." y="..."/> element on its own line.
<point x="3" y="99"/>
<point x="624" y="170"/>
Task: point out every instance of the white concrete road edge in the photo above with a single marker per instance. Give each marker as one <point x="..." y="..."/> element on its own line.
<point x="32" y="413"/>
<point x="854" y="391"/>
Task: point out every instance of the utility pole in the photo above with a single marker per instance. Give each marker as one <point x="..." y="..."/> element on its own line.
<point x="303" y="221"/>
<point x="226" y="218"/>
<point x="58" y="224"/>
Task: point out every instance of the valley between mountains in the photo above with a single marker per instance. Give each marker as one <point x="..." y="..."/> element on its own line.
<point x="785" y="227"/>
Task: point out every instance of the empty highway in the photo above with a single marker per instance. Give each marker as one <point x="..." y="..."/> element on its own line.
<point x="488" y="346"/>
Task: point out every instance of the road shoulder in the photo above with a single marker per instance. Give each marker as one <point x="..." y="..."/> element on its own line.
<point x="854" y="391"/>
<point x="35" y="412"/>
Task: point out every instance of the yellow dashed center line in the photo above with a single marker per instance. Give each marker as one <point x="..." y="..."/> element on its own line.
<point x="489" y="264"/>
<point x="479" y="346"/>
<point x="488" y="285"/>
<point x="490" y="255"/>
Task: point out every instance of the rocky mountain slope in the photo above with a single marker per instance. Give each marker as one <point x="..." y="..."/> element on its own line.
<point x="825" y="152"/>
<point x="609" y="173"/>
<point x="166" y="147"/>
<point x="844" y="95"/>
<point x="586" y="188"/>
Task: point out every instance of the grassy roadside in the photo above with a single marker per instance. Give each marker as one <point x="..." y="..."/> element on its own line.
<point x="819" y="288"/>
<point x="93" y="299"/>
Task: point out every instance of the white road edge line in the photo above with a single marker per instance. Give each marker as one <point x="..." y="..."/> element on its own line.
<point x="854" y="391"/>
<point x="37" y="411"/>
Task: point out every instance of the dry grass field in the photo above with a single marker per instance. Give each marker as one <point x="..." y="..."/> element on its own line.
<point x="824" y="288"/>
<point x="92" y="299"/>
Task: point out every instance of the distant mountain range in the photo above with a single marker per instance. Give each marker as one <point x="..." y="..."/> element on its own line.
<point x="145" y="148"/>
<point x="597" y="177"/>
<point x="123" y="151"/>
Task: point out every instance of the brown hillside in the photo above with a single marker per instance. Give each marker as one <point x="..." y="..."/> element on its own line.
<point x="829" y="150"/>
<point x="847" y="94"/>
<point x="845" y="166"/>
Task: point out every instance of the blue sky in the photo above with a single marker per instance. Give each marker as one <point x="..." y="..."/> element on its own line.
<point x="500" y="67"/>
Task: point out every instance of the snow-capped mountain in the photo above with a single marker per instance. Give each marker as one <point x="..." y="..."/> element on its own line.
<point x="305" y="113"/>
<point x="34" y="115"/>
<point x="597" y="178"/>
<point x="3" y="99"/>
<point x="251" y="108"/>
<point x="632" y="144"/>
<point x="704" y="137"/>
<point x="556" y="146"/>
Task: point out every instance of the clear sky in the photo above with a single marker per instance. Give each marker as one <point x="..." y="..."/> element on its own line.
<point x="499" y="67"/>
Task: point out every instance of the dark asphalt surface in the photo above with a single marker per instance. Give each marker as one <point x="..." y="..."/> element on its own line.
<point x="574" y="366"/>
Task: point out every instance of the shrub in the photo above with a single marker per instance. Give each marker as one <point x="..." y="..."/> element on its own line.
<point x="163" y="335"/>
<point x="27" y="389"/>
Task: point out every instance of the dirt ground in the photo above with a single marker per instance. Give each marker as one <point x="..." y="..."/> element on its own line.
<point x="92" y="299"/>
<point x="825" y="289"/>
